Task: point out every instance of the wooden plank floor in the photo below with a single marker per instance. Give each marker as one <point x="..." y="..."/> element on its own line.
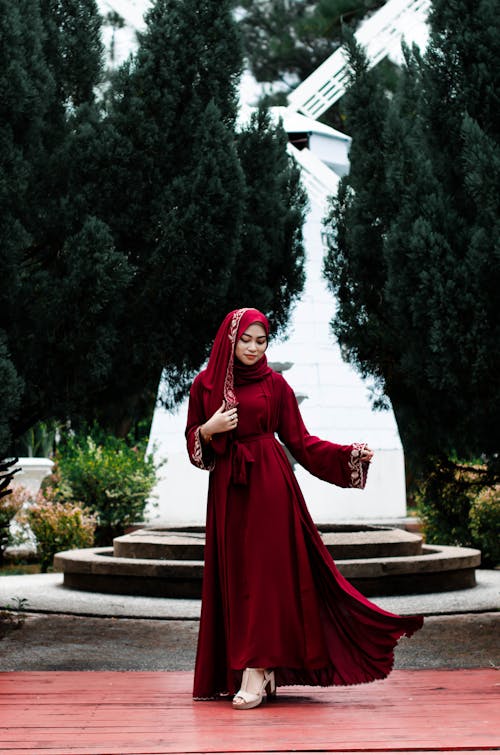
<point x="146" y="713"/>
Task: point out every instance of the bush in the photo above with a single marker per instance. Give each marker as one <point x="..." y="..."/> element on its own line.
<point x="485" y="525"/>
<point x="444" y="501"/>
<point x="58" y="526"/>
<point x="10" y="505"/>
<point x="112" y="479"/>
<point x="458" y="506"/>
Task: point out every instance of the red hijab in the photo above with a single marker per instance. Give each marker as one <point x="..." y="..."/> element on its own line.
<point x="223" y="371"/>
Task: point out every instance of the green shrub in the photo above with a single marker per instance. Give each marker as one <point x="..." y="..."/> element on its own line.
<point x="444" y="501"/>
<point x="458" y="505"/>
<point x="10" y="505"/>
<point x="111" y="478"/>
<point x="58" y="526"/>
<point x="485" y="525"/>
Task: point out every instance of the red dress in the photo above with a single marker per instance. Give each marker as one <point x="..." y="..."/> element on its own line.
<point x="272" y="595"/>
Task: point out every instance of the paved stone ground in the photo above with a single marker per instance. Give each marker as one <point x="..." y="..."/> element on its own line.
<point x="45" y="593"/>
<point x="49" y="642"/>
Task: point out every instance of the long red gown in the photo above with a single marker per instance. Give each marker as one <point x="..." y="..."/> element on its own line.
<point x="272" y="595"/>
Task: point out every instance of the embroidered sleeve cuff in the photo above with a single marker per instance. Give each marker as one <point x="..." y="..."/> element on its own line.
<point x="199" y="455"/>
<point x="358" y="469"/>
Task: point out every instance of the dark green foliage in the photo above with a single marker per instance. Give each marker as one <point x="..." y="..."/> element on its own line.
<point x="442" y="248"/>
<point x="72" y="315"/>
<point x="460" y="505"/>
<point x="191" y="190"/>
<point x="25" y="89"/>
<point x="61" y="276"/>
<point x="11" y="387"/>
<point x="123" y="218"/>
<point x="73" y="48"/>
<point x="485" y="525"/>
<point x="173" y="194"/>
<point x="355" y="267"/>
<point x="418" y="217"/>
<point x="444" y="502"/>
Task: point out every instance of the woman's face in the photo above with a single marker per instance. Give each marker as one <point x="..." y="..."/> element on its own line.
<point x="252" y="344"/>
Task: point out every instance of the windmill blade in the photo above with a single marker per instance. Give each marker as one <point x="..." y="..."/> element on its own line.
<point x="320" y="182"/>
<point x="380" y="35"/>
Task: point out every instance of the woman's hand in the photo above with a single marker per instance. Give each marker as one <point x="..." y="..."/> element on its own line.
<point x="222" y="421"/>
<point x="366" y="454"/>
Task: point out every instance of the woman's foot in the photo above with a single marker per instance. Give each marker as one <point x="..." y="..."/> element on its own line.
<point x="254" y="683"/>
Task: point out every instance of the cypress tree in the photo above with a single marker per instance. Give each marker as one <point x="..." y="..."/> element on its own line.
<point x="172" y="194"/>
<point x="443" y="263"/>
<point x="10" y="392"/>
<point x="25" y="87"/>
<point x="193" y="210"/>
<point x="354" y="266"/>
<point x="130" y="212"/>
<point x="73" y="54"/>
<point x="60" y="274"/>
<point x="73" y="48"/>
<point x="434" y="238"/>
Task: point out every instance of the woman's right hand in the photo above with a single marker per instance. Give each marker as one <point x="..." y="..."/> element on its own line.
<point x="222" y="421"/>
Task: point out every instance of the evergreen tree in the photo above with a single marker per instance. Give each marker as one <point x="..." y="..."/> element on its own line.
<point x="444" y="294"/>
<point x="10" y="392"/>
<point x="25" y="86"/>
<point x="355" y="267"/>
<point x="59" y="271"/>
<point x="438" y="235"/>
<point x="125" y="235"/>
<point x="73" y="54"/>
<point x="73" y="48"/>
<point x="191" y="186"/>
<point x="172" y="195"/>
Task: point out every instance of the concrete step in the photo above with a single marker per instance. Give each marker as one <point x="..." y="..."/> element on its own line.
<point x="351" y="542"/>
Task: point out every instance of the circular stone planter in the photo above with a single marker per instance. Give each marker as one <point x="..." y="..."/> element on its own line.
<point x="164" y="543"/>
<point x="169" y="563"/>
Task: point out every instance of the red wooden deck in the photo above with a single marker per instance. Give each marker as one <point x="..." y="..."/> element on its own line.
<point x="138" y="713"/>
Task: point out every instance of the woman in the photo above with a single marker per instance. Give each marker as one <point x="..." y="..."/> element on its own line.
<point x="275" y="609"/>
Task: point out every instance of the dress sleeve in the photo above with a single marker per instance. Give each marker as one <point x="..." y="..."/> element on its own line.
<point x="200" y="454"/>
<point x="338" y="464"/>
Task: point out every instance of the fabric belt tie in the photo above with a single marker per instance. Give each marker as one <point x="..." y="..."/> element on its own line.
<point x="242" y="457"/>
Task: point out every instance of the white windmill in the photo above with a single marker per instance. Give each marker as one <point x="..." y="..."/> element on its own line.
<point x="336" y="403"/>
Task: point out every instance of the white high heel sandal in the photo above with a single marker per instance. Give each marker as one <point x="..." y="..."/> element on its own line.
<point x="265" y="682"/>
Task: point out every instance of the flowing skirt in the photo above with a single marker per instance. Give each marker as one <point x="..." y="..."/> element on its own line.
<point x="272" y="595"/>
